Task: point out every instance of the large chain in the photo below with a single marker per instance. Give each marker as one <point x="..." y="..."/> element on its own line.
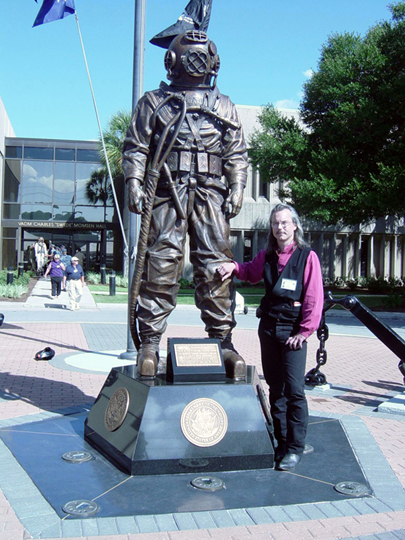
<point x="314" y="377"/>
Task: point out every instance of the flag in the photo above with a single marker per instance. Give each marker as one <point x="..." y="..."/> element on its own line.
<point x="53" y="10"/>
<point x="196" y="16"/>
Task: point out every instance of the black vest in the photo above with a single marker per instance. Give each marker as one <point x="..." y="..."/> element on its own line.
<point x="286" y="289"/>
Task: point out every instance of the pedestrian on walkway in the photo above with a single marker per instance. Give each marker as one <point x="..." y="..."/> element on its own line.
<point x="289" y="313"/>
<point x="65" y="258"/>
<point x="41" y="255"/>
<point x="80" y="256"/>
<point x="55" y="270"/>
<point x="73" y="281"/>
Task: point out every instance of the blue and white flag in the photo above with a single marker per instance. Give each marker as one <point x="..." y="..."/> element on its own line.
<point x="53" y="10"/>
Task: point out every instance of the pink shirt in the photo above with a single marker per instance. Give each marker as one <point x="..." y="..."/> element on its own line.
<point x="312" y="304"/>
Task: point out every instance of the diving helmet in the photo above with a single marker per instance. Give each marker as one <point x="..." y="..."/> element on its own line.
<point x="192" y="60"/>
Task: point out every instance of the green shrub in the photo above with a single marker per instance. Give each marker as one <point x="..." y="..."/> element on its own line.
<point x="93" y="277"/>
<point x="121" y="281"/>
<point x="24" y="279"/>
<point x="378" y="285"/>
<point x="352" y="284"/>
<point x="15" y="290"/>
<point x="185" y="284"/>
<point x="394" y="300"/>
<point x="339" y="282"/>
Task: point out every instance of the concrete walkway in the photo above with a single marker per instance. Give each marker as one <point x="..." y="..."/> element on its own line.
<point x="362" y="374"/>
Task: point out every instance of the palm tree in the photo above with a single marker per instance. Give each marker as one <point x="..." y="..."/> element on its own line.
<point x="98" y="188"/>
<point x="114" y="138"/>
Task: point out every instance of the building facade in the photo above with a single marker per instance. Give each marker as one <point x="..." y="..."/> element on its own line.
<point x="49" y="189"/>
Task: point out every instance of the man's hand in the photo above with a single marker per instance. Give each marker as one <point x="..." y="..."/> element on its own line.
<point x="135" y="196"/>
<point x="226" y="270"/>
<point x="233" y="203"/>
<point x="295" y="342"/>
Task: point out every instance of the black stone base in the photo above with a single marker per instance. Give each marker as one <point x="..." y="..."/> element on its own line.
<point x="151" y="441"/>
<point x="38" y="447"/>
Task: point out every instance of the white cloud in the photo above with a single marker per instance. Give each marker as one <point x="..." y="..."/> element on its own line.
<point x="287" y="104"/>
<point x="308" y="73"/>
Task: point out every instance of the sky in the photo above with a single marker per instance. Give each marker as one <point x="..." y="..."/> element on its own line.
<point x="267" y="50"/>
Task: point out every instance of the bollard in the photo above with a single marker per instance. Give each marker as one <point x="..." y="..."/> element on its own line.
<point x="103" y="276"/>
<point x="25" y="263"/>
<point x="112" y="283"/>
<point x="10" y="275"/>
<point x="20" y="269"/>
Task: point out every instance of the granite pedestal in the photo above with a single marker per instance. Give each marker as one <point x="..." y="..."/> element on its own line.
<point x="155" y="435"/>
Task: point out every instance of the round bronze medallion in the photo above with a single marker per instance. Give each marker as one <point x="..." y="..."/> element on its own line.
<point x="204" y="422"/>
<point x="117" y="409"/>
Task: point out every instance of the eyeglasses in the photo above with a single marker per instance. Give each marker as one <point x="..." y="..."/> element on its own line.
<point x="282" y="224"/>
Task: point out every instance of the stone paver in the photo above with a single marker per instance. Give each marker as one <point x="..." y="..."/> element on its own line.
<point x="361" y="372"/>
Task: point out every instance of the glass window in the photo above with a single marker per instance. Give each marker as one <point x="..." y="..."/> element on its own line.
<point x="37" y="182"/>
<point x="64" y="154"/>
<point x="9" y="232"/>
<point x="63" y="213"/>
<point x="64" y="183"/>
<point x="88" y="155"/>
<point x="111" y="215"/>
<point x="13" y="151"/>
<point x="83" y="178"/>
<point x="32" y="152"/>
<point x="36" y="212"/>
<point x="12" y="181"/>
<point x="11" y="211"/>
<point x="89" y="213"/>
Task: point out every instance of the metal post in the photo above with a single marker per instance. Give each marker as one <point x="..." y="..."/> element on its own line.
<point x="10" y="275"/>
<point x="20" y="269"/>
<point x="103" y="276"/>
<point x="112" y="283"/>
<point x="137" y="91"/>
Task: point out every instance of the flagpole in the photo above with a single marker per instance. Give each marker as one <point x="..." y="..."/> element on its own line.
<point x="137" y="91"/>
<point x="102" y="139"/>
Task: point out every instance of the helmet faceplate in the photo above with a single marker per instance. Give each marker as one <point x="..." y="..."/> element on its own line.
<point x="192" y="59"/>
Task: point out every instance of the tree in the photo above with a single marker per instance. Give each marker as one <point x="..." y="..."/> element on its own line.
<point x="114" y="137"/>
<point x="98" y="188"/>
<point x="344" y="160"/>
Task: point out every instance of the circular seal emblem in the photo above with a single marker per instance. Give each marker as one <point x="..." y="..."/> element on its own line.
<point x="81" y="507"/>
<point x="117" y="409"/>
<point x="204" y="422"/>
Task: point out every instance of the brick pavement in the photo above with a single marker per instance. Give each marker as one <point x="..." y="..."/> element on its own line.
<point x="362" y="373"/>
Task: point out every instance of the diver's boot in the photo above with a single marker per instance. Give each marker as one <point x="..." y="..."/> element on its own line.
<point x="235" y="365"/>
<point x="148" y="358"/>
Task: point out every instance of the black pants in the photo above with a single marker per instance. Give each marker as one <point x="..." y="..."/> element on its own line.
<point x="56" y="283"/>
<point x="284" y="371"/>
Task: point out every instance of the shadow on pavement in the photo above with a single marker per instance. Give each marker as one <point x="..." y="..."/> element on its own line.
<point x="42" y="393"/>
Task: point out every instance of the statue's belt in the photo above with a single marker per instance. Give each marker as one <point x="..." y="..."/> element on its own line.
<point x="198" y="162"/>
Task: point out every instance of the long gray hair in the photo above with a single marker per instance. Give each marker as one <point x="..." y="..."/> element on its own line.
<point x="298" y="233"/>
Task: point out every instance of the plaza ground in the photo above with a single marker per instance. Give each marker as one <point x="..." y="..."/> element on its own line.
<point x="362" y="375"/>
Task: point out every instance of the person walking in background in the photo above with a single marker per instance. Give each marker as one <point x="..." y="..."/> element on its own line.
<point x="73" y="281"/>
<point x="41" y="255"/>
<point x="289" y="313"/>
<point x="55" y="270"/>
<point x="65" y="258"/>
<point x="80" y="256"/>
<point x="30" y="257"/>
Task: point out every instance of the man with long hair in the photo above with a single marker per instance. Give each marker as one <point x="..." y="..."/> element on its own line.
<point x="289" y="313"/>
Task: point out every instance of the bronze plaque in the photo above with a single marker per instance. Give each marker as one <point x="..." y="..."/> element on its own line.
<point x="197" y="354"/>
<point x="117" y="409"/>
<point x="204" y="422"/>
